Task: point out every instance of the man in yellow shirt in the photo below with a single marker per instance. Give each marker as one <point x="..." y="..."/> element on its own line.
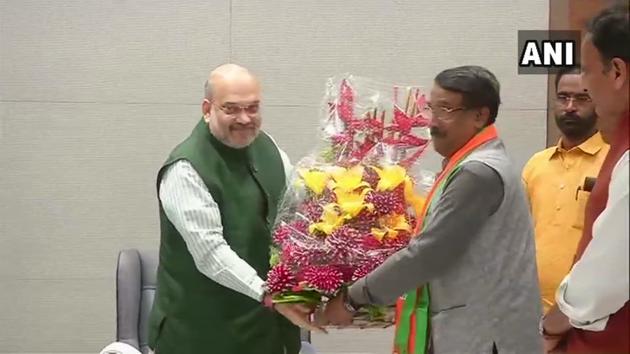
<point x="555" y="182"/>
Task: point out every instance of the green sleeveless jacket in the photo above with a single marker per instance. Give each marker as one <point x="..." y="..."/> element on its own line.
<point x="193" y="314"/>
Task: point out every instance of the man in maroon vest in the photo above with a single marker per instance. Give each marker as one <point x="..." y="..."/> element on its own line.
<point x="592" y="313"/>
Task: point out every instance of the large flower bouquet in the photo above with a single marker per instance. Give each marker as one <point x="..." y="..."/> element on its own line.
<point x="354" y="201"/>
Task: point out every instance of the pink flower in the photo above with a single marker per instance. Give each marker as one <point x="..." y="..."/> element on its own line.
<point x="387" y="202"/>
<point x="343" y="244"/>
<point x="300" y="257"/>
<point x="325" y="279"/>
<point x="312" y="210"/>
<point x="369" y="242"/>
<point x="300" y="226"/>
<point x="281" y="235"/>
<point x="280" y="279"/>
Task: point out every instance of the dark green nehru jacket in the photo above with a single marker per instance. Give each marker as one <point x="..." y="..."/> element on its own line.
<point x="192" y="314"/>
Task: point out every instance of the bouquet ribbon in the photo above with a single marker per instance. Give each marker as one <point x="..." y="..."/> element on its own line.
<point x="412" y="309"/>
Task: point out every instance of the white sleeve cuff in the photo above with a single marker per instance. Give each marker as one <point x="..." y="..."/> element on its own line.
<point x="575" y="316"/>
<point x="257" y="289"/>
<point x="595" y="326"/>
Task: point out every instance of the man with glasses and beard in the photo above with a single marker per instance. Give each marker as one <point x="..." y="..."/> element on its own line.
<point x="554" y="180"/>
<point x="219" y="191"/>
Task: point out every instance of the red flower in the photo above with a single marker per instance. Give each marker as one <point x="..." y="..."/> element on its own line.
<point x="347" y="272"/>
<point x="401" y="241"/>
<point x="343" y="244"/>
<point x="301" y="256"/>
<point x="387" y="202"/>
<point x="280" y="279"/>
<point x="312" y="210"/>
<point x="300" y="226"/>
<point x="365" y="221"/>
<point x="370" y="176"/>
<point x="281" y="235"/>
<point x="325" y="279"/>
<point x="369" y="242"/>
<point x="363" y="270"/>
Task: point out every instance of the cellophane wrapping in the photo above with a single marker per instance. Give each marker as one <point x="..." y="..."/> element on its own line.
<point x="354" y="200"/>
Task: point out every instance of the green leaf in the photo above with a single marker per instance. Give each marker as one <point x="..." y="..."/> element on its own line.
<point x="376" y="313"/>
<point x="274" y="256"/>
<point x="329" y="154"/>
<point x="309" y="297"/>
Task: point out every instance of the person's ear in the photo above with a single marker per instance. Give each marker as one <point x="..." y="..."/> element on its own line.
<point x="619" y="72"/>
<point x="482" y="116"/>
<point x="206" y="107"/>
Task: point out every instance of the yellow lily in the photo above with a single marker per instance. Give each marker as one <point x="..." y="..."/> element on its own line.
<point x="314" y="180"/>
<point x="379" y="234"/>
<point x="396" y="222"/>
<point x="348" y="179"/>
<point x="411" y="197"/>
<point x="390" y="226"/>
<point x="390" y="177"/>
<point x="330" y="220"/>
<point x="351" y="203"/>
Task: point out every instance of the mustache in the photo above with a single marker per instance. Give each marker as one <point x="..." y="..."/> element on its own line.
<point x="574" y="125"/>
<point x="569" y="116"/>
<point x="243" y="127"/>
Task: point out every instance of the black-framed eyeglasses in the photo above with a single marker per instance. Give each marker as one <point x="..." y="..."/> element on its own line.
<point x="580" y="98"/>
<point x="235" y="109"/>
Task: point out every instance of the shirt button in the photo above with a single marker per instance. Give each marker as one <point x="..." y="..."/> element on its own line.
<point x="562" y="186"/>
<point x="558" y="207"/>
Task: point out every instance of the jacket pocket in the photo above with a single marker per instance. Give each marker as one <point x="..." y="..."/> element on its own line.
<point x="449" y="308"/>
